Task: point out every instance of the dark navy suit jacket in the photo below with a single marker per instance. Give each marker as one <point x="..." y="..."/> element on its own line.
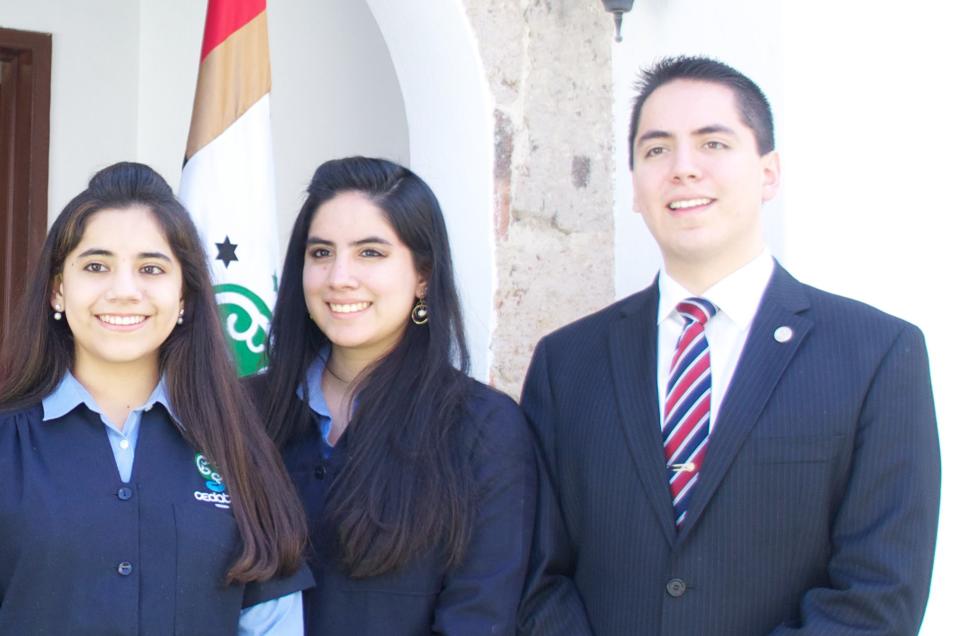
<point x="816" y="509"/>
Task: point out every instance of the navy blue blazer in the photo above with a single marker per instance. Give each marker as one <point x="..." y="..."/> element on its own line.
<point x="481" y="595"/>
<point x="816" y="509"/>
<point x="82" y="552"/>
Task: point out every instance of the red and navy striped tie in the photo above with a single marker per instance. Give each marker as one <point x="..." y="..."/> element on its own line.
<point x="686" y="413"/>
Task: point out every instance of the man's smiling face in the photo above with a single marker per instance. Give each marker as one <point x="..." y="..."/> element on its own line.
<point x="698" y="178"/>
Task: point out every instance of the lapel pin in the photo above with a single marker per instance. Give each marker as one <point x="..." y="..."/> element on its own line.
<point x="783" y="334"/>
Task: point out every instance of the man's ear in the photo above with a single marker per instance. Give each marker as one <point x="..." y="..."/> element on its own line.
<point x="770" y="173"/>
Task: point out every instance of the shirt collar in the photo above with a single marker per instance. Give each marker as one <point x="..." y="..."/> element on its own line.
<point x="70" y="394"/>
<point x="737" y="295"/>
<point x="317" y="403"/>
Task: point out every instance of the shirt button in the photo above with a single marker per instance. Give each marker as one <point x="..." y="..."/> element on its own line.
<point x="676" y="587"/>
<point x="124" y="444"/>
<point x="124" y="493"/>
<point x="320" y="471"/>
<point x="125" y="568"/>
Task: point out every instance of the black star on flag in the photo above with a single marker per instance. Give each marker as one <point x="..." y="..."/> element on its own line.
<point x="227" y="252"/>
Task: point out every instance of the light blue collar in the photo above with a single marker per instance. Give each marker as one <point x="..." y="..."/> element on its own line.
<point x="70" y="394"/>
<point x="313" y="389"/>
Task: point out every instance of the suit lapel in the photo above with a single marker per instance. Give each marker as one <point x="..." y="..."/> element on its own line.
<point x="758" y="371"/>
<point x="633" y="355"/>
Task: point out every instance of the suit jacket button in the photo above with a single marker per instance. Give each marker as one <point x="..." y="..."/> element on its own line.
<point x="124" y="494"/>
<point x="676" y="587"/>
<point x="124" y="568"/>
<point x="320" y="471"/>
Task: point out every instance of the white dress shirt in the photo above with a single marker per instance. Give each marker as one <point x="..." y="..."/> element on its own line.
<point x="737" y="298"/>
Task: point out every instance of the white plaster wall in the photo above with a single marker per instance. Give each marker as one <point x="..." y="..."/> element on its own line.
<point x="170" y="33"/>
<point x="93" y="114"/>
<point x="335" y="93"/>
<point x="450" y="116"/>
<point x="864" y="103"/>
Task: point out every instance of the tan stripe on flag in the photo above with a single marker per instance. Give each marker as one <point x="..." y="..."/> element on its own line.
<point x="232" y="78"/>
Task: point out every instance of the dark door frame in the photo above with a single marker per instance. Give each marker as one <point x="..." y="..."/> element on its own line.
<point x="24" y="158"/>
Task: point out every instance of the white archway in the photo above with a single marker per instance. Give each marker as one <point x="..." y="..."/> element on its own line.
<point x="450" y="118"/>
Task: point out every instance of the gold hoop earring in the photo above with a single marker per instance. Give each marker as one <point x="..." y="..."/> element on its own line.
<point x="419" y="315"/>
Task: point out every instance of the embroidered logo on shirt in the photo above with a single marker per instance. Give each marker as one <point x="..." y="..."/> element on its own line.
<point x="214" y="483"/>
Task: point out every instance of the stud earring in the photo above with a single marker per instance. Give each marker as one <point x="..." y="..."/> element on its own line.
<point x="419" y="315"/>
<point x="58" y="312"/>
<point x="180" y="317"/>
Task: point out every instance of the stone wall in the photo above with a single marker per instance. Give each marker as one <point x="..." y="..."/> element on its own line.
<point x="549" y="67"/>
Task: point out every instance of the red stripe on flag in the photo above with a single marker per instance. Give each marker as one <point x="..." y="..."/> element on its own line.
<point x="226" y="16"/>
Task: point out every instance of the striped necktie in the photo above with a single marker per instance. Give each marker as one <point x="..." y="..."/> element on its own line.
<point x="686" y="413"/>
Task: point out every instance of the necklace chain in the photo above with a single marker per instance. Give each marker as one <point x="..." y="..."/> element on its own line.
<point x="330" y="371"/>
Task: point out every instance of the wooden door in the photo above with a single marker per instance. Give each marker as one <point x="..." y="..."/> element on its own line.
<point x="24" y="153"/>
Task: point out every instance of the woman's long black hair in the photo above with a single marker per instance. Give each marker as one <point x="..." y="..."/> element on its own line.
<point x="406" y="486"/>
<point x="218" y="418"/>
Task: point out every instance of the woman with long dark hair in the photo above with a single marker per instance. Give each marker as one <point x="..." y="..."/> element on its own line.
<point x="418" y="481"/>
<point x="140" y="494"/>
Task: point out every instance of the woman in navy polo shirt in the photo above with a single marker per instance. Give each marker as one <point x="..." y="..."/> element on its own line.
<point x="139" y="493"/>
<point x="419" y="482"/>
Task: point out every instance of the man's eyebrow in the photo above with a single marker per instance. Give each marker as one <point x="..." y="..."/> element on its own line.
<point x="315" y="240"/>
<point x="705" y="130"/>
<point x="653" y="134"/>
<point x="714" y="128"/>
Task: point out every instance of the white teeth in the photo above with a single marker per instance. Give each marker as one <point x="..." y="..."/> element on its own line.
<point x="687" y="203"/>
<point x="348" y="309"/>
<point x="122" y="321"/>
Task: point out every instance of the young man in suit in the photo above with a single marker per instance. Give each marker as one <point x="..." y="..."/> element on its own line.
<point x="729" y="452"/>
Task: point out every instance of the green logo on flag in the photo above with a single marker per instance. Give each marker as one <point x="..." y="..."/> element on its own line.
<point x="246" y="319"/>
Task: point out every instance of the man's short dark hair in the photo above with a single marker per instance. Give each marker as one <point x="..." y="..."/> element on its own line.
<point x="754" y="107"/>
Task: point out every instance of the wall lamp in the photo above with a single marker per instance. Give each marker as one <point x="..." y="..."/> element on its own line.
<point x="618" y="8"/>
